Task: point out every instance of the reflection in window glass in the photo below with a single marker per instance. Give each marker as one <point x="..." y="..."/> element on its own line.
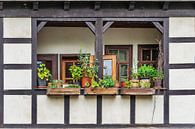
<point x="123" y="71"/>
<point x="146" y="55"/>
<point x="68" y="74"/>
<point x="123" y="55"/>
<point x="154" y="54"/>
<point x="114" y="52"/>
<point x="107" y="67"/>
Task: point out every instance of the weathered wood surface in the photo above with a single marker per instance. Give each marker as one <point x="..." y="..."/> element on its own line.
<point x="63" y="91"/>
<point x="101" y="91"/>
<point x="137" y="91"/>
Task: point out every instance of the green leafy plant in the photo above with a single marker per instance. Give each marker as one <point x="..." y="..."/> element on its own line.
<point x="127" y="83"/>
<point x="43" y="73"/>
<point x="94" y="84"/>
<point x="147" y="71"/>
<point x="76" y="72"/>
<point x="56" y="83"/>
<point x="106" y="82"/>
<point x="73" y="86"/>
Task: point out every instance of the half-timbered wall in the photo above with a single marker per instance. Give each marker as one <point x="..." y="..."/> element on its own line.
<point x="23" y="106"/>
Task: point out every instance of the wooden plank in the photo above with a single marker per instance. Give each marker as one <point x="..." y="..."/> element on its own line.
<point x="91" y="26"/>
<point x="41" y="25"/>
<point x="97" y="5"/>
<point x="106" y="26"/>
<point x="36" y="6"/>
<point x="67" y="5"/>
<point x="137" y="91"/>
<point x="165" y="6"/>
<point x="63" y="91"/>
<point x="131" y="5"/>
<point x="99" y="45"/>
<point x="101" y="91"/>
<point x="158" y="26"/>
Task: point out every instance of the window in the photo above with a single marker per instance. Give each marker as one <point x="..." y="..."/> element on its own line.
<point x="148" y="54"/>
<point x="123" y="61"/>
<point x="51" y="62"/>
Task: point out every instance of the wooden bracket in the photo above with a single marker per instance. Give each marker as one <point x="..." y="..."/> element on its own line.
<point x="131" y="6"/>
<point x="158" y="26"/>
<point x="35" y="6"/>
<point x="41" y="25"/>
<point x="106" y="26"/>
<point x="97" y="6"/>
<point x="66" y="5"/>
<point x="1" y="5"/>
<point x="91" y="26"/>
<point x="165" y="6"/>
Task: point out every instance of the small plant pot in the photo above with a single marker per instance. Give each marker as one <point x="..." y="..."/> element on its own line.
<point x="85" y="80"/>
<point x="134" y="83"/>
<point x="42" y="82"/>
<point x="123" y="84"/>
<point x="145" y="83"/>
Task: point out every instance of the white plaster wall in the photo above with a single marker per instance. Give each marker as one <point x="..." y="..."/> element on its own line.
<point x="181" y="79"/>
<point x="50" y="110"/>
<point x="17" y="109"/>
<point x="181" y="27"/>
<point x="17" y="53"/>
<point x="17" y="79"/>
<point x="116" y="109"/>
<point x="17" y="27"/>
<point x="181" y="53"/>
<point x="182" y="109"/>
<point x="149" y="109"/>
<point x="83" y="109"/>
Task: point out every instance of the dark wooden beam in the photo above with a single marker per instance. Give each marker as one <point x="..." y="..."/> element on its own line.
<point x="97" y="5"/>
<point x="36" y="6"/>
<point x="99" y="45"/>
<point x="131" y="6"/>
<point x="158" y="26"/>
<point x="106" y="26"/>
<point x="91" y="26"/>
<point x="165" y="6"/>
<point x="66" y="5"/>
<point x="1" y="5"/>
<point x="41" y="25"/>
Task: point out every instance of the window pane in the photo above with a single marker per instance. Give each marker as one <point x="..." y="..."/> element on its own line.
<point x="67" y="65"/>
<point x="154" y="54"/>
<point x="146" y="55"/>
<point x="123" y="71"/>
<point x="114" y="52"/>
<point x="123" y="55"/>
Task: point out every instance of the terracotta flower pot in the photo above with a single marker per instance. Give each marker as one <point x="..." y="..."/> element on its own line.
<point x="85" y="81"/>
<point x="134" y="83"/>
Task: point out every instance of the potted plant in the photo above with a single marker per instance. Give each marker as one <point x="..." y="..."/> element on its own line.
<point x="88" y="72"/>
<point x="157" y="78"/>
<point x="43" y="74"/>
<point x="135" y="80"/>
<point x="146" y="73"/>
<point x="76" y="73"/>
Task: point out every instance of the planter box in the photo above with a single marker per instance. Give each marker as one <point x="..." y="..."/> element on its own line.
<point x="101" y="91"/>
<point x="137" y="91"/>
<point x="63" y="91"/>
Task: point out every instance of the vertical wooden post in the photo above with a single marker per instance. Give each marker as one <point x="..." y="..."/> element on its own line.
<point x="99" y="45"/>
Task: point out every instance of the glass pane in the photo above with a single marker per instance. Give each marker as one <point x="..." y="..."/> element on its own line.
<point x="123" y="71"/>
<point x="107" y="67"/>
<point x="114" y="52"/>
<point x="123" y="55"/>
<point x="146" y="55"/>
<point x="67" y="66"/>
<point x="154" y="54"/>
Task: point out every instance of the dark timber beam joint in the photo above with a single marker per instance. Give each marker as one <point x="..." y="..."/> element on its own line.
<point x="165" y="6"/>
<point x="158" y="26"/>
<point x="1" y="5"/>
<point x="131" y="6"/>
<point x="97" y="6"/>
<point x="35" y="6"/>
<point x="106" y="26"/>
<point x="41" y="25"/>
<point x="66" y="6"/>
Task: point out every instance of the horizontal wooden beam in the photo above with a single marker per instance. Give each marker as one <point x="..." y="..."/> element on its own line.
<point x="106" y="26"/>
<point x="97" y="5"/>
<point x="91" y="26"/>
<point x="131" y="5"/>
<point x="165" y="6"/>
<point x="67" y="5"/>
<point x="158" y="26"/>
<point x="41" y="25"/>
<point x="35" y="6"/>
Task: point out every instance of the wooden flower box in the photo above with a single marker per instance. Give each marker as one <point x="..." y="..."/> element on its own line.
<point x="101" y="91"/>
<point x="137" y="91"/>
<point x="63" y="91"/>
